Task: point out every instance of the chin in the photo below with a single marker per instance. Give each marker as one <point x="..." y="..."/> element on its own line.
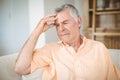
<point x="64" y="40"/>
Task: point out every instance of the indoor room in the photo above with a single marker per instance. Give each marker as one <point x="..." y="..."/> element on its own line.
<point x="100" y="21"/>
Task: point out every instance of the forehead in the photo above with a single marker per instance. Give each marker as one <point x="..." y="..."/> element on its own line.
<point x="63" y="15"/>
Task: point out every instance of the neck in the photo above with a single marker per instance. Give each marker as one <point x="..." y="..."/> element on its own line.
<point x="76" y="44"/>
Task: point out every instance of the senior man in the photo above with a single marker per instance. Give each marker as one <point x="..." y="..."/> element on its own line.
<point x="74" y="57"/>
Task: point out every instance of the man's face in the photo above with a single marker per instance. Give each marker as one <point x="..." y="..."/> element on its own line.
<point x="67" y="27"/>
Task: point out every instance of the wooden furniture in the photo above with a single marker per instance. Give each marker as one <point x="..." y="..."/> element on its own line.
<point x="102" y="21"/>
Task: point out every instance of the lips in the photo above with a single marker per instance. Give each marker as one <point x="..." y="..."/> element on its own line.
<point x="64" y="34"/>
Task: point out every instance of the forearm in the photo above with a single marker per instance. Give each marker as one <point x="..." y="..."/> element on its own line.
<point x="25" y="56"/>
<point x="23" y="61"/>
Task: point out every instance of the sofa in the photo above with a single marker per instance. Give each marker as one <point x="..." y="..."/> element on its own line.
<point x="7" y="67"/>
<point x="7" y="70"/>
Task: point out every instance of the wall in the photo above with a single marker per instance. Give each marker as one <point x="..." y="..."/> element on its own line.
<point x="14" y="24"/>
<point x="36" y="12"/>
<point x="18" y="18"/>
<point x="79" y="6"/>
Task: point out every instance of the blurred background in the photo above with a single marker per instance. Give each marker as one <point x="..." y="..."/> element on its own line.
<point x="18" y="18"/>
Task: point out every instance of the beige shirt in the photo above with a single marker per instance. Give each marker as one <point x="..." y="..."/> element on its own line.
<point x="61" y="62"/>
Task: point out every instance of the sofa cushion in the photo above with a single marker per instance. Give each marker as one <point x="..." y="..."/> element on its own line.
<point x="115" y="56"/>
<point x="37" y="75"/>
<point x="7" y="68"/>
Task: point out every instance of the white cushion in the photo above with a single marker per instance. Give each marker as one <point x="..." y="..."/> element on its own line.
<point x="7" y="68"/>
<point x="37" y="75"/>
<point x="115" y="56"/>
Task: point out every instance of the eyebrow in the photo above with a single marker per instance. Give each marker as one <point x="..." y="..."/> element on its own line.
<point x="62" y="21"/>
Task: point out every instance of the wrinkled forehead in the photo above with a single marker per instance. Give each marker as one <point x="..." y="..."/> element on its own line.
<point x="63" y="15"/>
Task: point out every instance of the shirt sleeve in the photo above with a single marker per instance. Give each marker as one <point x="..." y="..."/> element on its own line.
<point x="112" y="71"/>
<point x="41" y="58"/>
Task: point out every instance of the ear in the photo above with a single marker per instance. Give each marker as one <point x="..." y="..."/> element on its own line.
<point x="79" y="21"/>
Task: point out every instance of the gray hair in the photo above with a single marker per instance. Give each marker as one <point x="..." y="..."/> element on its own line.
<point x="73" y="10"/>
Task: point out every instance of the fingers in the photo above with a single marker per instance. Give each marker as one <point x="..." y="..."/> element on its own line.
<point x="47" y="22"/>
<point x="51" y="15"/>
<point x="49" y="19"/>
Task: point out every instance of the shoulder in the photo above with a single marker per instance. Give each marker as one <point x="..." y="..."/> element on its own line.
<point x="93" y="44"/>
<point x="46" y="49"/>
<point x="49" y="46"/>
<point x="97" y="47"/>
<point x="52" y="45"/>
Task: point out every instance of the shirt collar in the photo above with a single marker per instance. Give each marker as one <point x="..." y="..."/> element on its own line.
<point x="66" y="45"/>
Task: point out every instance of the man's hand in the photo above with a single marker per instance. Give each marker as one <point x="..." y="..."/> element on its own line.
<point x="46" y="22"/>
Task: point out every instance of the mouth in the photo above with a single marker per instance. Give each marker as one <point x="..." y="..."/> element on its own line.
<point x="64" y="34"/>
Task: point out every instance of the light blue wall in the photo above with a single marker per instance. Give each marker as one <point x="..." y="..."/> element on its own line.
<point x="14" y="23"/>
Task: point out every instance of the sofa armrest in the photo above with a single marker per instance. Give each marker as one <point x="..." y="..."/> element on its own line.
<point x="115" y="56"/>
<point x="7" y="67"/>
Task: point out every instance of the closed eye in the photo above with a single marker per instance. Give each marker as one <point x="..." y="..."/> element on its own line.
<point x="65" y="22"/>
